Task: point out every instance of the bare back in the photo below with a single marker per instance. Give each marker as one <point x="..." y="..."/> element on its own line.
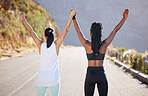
<point x="94" y="63"/>
<point x="105" y="43"/>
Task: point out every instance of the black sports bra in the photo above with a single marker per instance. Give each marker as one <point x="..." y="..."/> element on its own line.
<point x="95" y="56"/>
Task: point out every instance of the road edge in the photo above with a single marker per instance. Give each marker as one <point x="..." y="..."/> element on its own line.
<point x="140" y="76"/>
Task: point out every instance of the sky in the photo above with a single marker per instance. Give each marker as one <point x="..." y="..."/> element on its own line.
<point x="132" y="35"/>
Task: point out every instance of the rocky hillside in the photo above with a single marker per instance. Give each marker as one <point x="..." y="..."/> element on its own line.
<point x="13" y="34"/>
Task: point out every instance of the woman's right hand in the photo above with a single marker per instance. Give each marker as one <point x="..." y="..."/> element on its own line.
<point x="22" y="15"/>
<point x="72" y="13"/>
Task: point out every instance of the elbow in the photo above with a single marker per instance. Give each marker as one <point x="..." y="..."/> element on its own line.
<point x="78" y="30"/>
<point x="108" y="41"/>
<point x="66" y="29"/>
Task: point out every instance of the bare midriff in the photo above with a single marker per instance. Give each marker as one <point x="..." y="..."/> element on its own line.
<point x="95" y="63"/>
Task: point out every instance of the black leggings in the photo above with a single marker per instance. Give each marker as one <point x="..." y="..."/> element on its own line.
<point x="96" y="75"/>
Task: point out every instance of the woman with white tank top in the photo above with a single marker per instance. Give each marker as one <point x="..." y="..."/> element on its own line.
<point x="49" y="65"/>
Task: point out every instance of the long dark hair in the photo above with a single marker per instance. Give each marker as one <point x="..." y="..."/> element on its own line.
<point x="49" y="34"/>
<point x="96" y="31"/>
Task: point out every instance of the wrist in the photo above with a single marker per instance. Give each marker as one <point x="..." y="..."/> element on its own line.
<point x="71" y="16"/>
<point x="23" y="20"/>
<point x="74" y="17"/>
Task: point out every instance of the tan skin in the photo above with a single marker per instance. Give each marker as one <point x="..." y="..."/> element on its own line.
<point x="58" y="41"/>
<point x="106" y="42"/>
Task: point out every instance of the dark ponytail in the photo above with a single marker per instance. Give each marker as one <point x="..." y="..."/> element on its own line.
<point x="96" y="31"/>
<point x="49" y="34"/>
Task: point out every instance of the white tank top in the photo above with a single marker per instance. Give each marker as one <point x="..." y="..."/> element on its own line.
<point x="49" y="66"/>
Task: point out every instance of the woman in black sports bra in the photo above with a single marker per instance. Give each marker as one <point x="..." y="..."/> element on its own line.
<point x="95" y="51"/>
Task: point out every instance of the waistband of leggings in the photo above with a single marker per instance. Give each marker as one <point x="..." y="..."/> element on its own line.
<point x="95" y="68"/>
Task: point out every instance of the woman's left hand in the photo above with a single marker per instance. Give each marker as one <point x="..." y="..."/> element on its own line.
<point x="125" y="13"/>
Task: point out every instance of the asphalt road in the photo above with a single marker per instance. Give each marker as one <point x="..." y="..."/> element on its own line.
<point x="18" y="76"/>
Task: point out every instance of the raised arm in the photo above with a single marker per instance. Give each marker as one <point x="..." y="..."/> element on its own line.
<point x="80" y="35"/>
<point x="113" y="33"/>
<point x="66" y="29"/>
<point x="36" y="39"/>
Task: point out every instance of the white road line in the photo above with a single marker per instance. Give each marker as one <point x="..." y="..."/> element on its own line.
<point x="23" y="84"/>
